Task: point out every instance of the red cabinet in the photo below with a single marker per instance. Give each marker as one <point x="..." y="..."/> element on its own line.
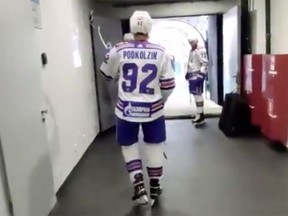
<point x="274" y="91"/>
<point x="253" y="86"/>
<point x="265" y="85"/>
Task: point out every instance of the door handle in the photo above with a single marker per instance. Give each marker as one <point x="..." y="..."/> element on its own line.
<point x="43" y="114"/>
<point x="272" y="116"/>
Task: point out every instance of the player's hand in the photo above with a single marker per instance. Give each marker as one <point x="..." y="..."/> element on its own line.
<point x="204" y="69"/>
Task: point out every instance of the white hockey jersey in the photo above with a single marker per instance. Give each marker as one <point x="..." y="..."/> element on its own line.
<point x="145" y="75"/>
<point x="197" y="61"/>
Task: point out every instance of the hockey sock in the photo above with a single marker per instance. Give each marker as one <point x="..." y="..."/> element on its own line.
<point x="155" y="160"/>
<point x="133" y="161"/>
<point x="199" y="103"/>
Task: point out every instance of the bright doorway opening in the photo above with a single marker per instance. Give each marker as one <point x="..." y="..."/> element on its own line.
<point x="173" y="34"/>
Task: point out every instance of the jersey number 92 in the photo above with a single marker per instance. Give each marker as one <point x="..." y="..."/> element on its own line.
<point x="130" y="76"/>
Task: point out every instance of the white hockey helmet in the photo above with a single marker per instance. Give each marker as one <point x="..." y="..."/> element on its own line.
<point x="128" y="37"/>
<point x="193" y="40"/>
<point x="140" y="22"/>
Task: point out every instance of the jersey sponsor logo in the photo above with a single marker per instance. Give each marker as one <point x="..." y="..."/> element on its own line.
<point x="140" y="54"/>
<point x="136" y="110"/>
<point x="130" y="77"/>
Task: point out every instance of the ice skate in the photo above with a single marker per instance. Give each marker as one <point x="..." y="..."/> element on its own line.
<point x="199" y="120"/>
<point x="155" y="191"/>
<point x="140" y="194"/>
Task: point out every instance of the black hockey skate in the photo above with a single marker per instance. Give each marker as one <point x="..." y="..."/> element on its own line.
<point x="155" y="191"/>
<point x="140" y="194"/>
<point x="199" y="120"/>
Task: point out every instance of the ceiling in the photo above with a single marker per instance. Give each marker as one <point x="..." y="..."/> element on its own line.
<point x="125" y="3"/>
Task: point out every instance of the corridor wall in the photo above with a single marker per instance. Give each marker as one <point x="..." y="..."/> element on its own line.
<point x="279" y="27"/>
<point x="65" y="88"/>
<point x="4" y="192"/>
<point x="258" y="19"/>
<point x="23" y="139"/>
<point x="213" y="58"/>
<point x="68" y="81"/>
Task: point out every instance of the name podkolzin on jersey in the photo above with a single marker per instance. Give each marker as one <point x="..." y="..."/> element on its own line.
<point x="140" y="54"/>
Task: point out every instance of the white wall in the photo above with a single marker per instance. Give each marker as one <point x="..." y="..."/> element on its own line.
<point x="22" y="132"/>
<point x="64" y="87"/>
<point x="4" y="192"/>
<point x="279" y="26"/>
<point x="180" y="9"/>
<point x="258" y="15"/>
<point x="3" y="201"/>
<point x="69" y="85"/>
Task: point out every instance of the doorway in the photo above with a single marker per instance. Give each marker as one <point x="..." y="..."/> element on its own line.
<point x="173" y="34"/>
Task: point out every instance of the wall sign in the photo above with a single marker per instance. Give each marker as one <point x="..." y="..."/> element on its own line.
<point x="36" y="14"/>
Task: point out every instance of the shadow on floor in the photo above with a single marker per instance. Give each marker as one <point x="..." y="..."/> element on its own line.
<point x="206" y="174"/>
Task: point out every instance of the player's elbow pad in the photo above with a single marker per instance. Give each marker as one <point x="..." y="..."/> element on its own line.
<point x="106" y="76"/>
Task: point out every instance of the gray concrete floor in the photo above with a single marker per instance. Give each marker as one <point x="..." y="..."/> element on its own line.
<point x="206" y="174"/>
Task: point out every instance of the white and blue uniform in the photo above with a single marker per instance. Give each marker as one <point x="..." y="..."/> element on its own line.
<point x="197" y="69"/>
<point x="146" y="79"/>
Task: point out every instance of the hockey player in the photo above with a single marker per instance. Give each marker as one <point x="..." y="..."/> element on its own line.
<point x="196" y="74"/>
<point x="146" y="80"/>
<point x="128" y="37"/>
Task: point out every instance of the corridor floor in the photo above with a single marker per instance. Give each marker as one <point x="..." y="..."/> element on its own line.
<point x="181" y="104"/>
<point x="206" y="174"/>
